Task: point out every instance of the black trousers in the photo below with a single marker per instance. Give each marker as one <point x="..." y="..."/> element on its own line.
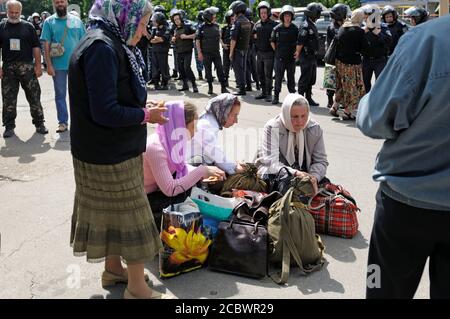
<point x="158" y="201"/>
<point x="371" y="66"/>
<point x="208" y="60"/>
<point x="184" y="66"/>
<point x="282" y="65"/>
<point x="251" y="71"/>
<point x="160" y="67"/>
<point x="308" y="66"/>
<point x="403" y="237"/>
<point x="175" y="60"/>
<point x="239" y="67"/>
<point x="226" y="63"/>
<point x="265" y="61"/>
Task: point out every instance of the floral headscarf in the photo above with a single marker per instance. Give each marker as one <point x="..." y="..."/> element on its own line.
<point x="122" y="18"/>
<point x="220" y="107"/>
<point x="126" y="14"/>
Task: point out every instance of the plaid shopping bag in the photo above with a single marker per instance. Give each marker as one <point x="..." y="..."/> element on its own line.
<point x="334" y="211"/>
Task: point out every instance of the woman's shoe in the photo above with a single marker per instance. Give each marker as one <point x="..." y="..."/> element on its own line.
<point x="155" y="295"/>
<point x="110" y="279"/>
<point x="334" y="112"/>
<point x="348" y="117"/>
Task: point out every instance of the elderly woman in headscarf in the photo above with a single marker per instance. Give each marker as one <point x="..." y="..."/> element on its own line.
<point x="167" y="176"/>
<point x="111" y="218"/>
<point x="294" y="141"/>
<point x="221" y="112"/>
<point x="349" y="78"/>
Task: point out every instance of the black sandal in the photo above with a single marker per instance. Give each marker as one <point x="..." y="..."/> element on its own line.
<point x="334" y="112"/>
<point x="348" y="117"/>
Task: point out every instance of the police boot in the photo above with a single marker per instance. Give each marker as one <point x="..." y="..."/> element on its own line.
<point x="275" y="99"/>
<point x="175" y="74"/>
<point x="224" y="88"/>
<point x="248" y="88"/>
<point x="185" y="86"/>
<point x="310" y="100"/>
<point x="241" y="91"/>
<point x="194" y="87"/>
<point x="261" y="96"/>
<point x="200" y="75"/>
<point x="258" y="87"/>
<point x="157" y="86"/>
<point x="164" y="86"/>
<point x="268" y="97"/>
<point x="210" y="88"/>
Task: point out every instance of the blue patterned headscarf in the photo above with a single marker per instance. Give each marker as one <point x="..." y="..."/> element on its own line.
<point x="122" y="17"/>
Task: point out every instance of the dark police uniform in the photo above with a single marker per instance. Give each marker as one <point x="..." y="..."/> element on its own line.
<point x="251" y="70"/>
<point x="375" y="56"/>
<point x="241" y="33"/>
<point x="397" y="29"/>
<point x="309" y="38"/>
<point x="160" y="54"/>
<point x="198" y="63"/>
<point x="332" y="32"/>
<point x="209" y="36"/>
<point x="226" y="39"/>
<point x="184" y="51"/>
<point x="17" y="42"/>
<point x="264" y="54"/>
<point x="285" y="40"/>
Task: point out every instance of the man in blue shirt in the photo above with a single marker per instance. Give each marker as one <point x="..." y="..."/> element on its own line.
<point x="67" y="30"/>
<point x="409" y="107"/>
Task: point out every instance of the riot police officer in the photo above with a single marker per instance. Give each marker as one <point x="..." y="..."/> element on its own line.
<point x="379" y="40"/>
<point x="183" y="37"/>
<point x="307" y="49"/>
<point x="264" y="51"/>
<point x="225" y="37"/>
<point x="160" y="40"/>
<point x="398" y="28"/>
<point x="198" y="63"/>
<point x="208" y="46"/>
<point x="283" y="40"/>
<point x="251" y="57"/>
<point x="338" y="13"/>
<point x="417" y="15"/>
<point x="240" y="40"/>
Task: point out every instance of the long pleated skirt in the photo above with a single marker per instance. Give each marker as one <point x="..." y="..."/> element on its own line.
<point x="111" y="214"/>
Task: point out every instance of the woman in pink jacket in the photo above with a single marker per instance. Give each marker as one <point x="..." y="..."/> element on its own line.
<point x="167" y="177"/>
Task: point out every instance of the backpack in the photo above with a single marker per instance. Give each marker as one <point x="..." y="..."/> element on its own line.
<point x="292" y="233"/>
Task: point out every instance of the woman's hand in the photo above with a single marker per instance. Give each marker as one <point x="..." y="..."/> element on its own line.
<point x="156" y="112"/>
<point x="213" y="171"/>
<point x="313" y="179"/>
<point x="239" y="168"/>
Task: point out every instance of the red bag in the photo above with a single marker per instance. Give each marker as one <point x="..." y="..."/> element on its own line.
<point x="334" y="211"/>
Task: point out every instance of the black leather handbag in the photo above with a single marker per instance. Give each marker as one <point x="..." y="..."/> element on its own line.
<point x="240" y="248"/>
<point x="282" y="181"/>
<point x="330" y="55"/>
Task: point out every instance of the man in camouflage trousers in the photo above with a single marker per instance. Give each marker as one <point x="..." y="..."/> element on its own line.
<point x="20" y="44"/>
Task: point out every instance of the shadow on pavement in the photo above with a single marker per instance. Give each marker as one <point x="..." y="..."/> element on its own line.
<point x="24" y="150"/>
<point x="341" y="249"/>
<point x="316" y="282"/>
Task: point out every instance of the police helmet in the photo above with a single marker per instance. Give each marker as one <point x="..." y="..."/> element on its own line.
<point x="264" y="4"/>
<point x="238" y="7"/>
<point x="374" y="18"/>
<point x="159" y="18"/>
<point x="420" y="15"/>
<point x="313" y="10"/>
<point x="389" y="9"/>
<point x="208" y="13"/>
<point x="340" y="12"/>
<point x="173" y="13"/>
<point x="200" y="16"/>
<point x="160" y="8"/>
<point x="35" y="15"/>
<point x="287" y="9"/>
<point x="249" y="14"/>
<point x="183" y="14"/>
<point x="228" y="16"/>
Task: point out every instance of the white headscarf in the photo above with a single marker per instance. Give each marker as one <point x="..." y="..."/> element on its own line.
<point x="294" y="138"/>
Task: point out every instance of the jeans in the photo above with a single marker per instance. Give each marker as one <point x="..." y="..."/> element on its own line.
<point x="60" y="86"/>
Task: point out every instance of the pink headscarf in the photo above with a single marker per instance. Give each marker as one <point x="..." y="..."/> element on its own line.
<point x="173" y="137"/>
